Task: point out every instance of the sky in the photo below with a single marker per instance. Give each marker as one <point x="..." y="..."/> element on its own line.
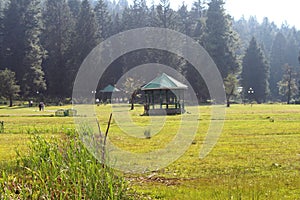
<point x="276" y="10"/>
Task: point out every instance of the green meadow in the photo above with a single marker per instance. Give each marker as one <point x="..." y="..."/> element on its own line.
<point x="257" y="156"/>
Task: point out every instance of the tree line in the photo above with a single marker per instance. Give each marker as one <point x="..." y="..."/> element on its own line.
<point x="43" y="43"/>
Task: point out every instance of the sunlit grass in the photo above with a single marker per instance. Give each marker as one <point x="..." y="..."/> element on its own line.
<point x="257" y="155"/>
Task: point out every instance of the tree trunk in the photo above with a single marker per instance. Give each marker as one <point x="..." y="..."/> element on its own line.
<point x="228" y="101"/>
<point x="289" y="96"/>
<point x="228" y="104"/>
<point x="132" y="105"/>
<point x="132" y="99"/>
<point x="289" y="88"/>
<point x="10" y="102"/>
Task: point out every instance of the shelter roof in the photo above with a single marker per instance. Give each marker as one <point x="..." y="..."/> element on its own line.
<point x="164" y="82"/>
<point x="110" y="88"/>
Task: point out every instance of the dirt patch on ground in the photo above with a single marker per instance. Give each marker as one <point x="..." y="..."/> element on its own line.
<point x="159" y="180"/>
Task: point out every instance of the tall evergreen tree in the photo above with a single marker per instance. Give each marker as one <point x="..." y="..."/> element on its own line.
<point x="255" y="73"/>
<point x="121" y="6"/>
<point x="74" y="6"/>
<point x="86" y="30"/>
<point x="197" y="19"/>
<point x="278" y="60"/>
<point x="23" y="52"/>
<point x="2" y="8"/>
<point x="165" y="16"/>
<point x="136" y="16"/>
<point x="292" y="49"/>
<point x="13" y="38"/>
<point x="33" y="79"/>
<point x="219" y="39"/>
<point x="103" y="18"/>
<point x="84" y="40"/>
<point x="117" y="25"/>
<point x="184" y="20"/>
<point x="197" y="9"/>
<point x="266" y="35"/>
<point x="254" y="27"/>
<point x="242" y="27"/>
<point x="59" y="26"/>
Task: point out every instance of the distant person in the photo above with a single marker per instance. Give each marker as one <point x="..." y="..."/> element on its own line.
<point x="97" y="102"/>
<point x="41" y="106"/>
<point x="30" y="103"/>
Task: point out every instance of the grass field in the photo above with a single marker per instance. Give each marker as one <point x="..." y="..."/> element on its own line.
<point x="257" y="155"/>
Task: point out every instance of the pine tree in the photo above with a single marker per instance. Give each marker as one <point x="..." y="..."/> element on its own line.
<point x="197" y="9"/>
<point x="13" y="38"/>
<point x="136" y="16"/>
<point x="197" y="19"/>
<point x="292" y="49"/>
<point x="2" y="7"/>
<point x="219" y="39"/>
<point x="33" y="79"/>
<point x="242" y="28"/>
<point x="165" y="16"/>
<point x="86" y="29"/>
<point x="59" y="26"/>
<point x="266" y="34"/>
<point x="103" y="18"/>
<point x="184" y="20"/>
<point x="278" y="60"/>
<point x="122" y="4"/>
<point x="255" y="73"/>
<point x="117" y="25"/>
<point x="74" y="6"/>
<point x="83" y="41"/>
<point x="23" y="52"/>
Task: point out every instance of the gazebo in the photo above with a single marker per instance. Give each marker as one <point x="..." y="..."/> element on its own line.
<point x="164" y="95"/>
<point x="106" y="93"/>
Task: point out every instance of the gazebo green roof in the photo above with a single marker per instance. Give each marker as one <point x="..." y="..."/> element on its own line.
<point x="110" y="88"/>
<point x="164" y="82"/>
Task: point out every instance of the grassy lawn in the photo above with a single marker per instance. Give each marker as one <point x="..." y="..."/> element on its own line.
<point x="257" y="155"/>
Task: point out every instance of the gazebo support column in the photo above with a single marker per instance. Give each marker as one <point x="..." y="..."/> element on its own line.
<point x="183" y="101"/>
<point x="167" y="100"/>
<point x="153" y="104"/>
<point x="160" y="99"/>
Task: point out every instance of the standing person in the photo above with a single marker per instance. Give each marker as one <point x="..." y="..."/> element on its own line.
<point x="41" y="106"/>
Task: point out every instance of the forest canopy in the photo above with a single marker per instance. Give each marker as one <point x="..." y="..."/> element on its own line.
<point x="44" y="42"/>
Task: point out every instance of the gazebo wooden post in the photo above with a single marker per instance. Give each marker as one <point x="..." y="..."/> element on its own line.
<point x="153" y="104"/>
<point x="160" y="99"/>
<point x="179" y="100"/>
<point x="149" y="98"/>
<point x="183" y="101"/>
<point x="167" y="99"/>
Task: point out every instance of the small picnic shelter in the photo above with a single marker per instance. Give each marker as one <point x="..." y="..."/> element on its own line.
<point x="106" y="93"/>
<point x="164" y="95"/>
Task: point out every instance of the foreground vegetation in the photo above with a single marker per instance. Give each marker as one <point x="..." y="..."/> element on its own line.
<point x="256" y="157"/>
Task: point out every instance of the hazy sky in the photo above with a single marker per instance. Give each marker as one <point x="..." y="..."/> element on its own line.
<point x="276" y="10"/>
